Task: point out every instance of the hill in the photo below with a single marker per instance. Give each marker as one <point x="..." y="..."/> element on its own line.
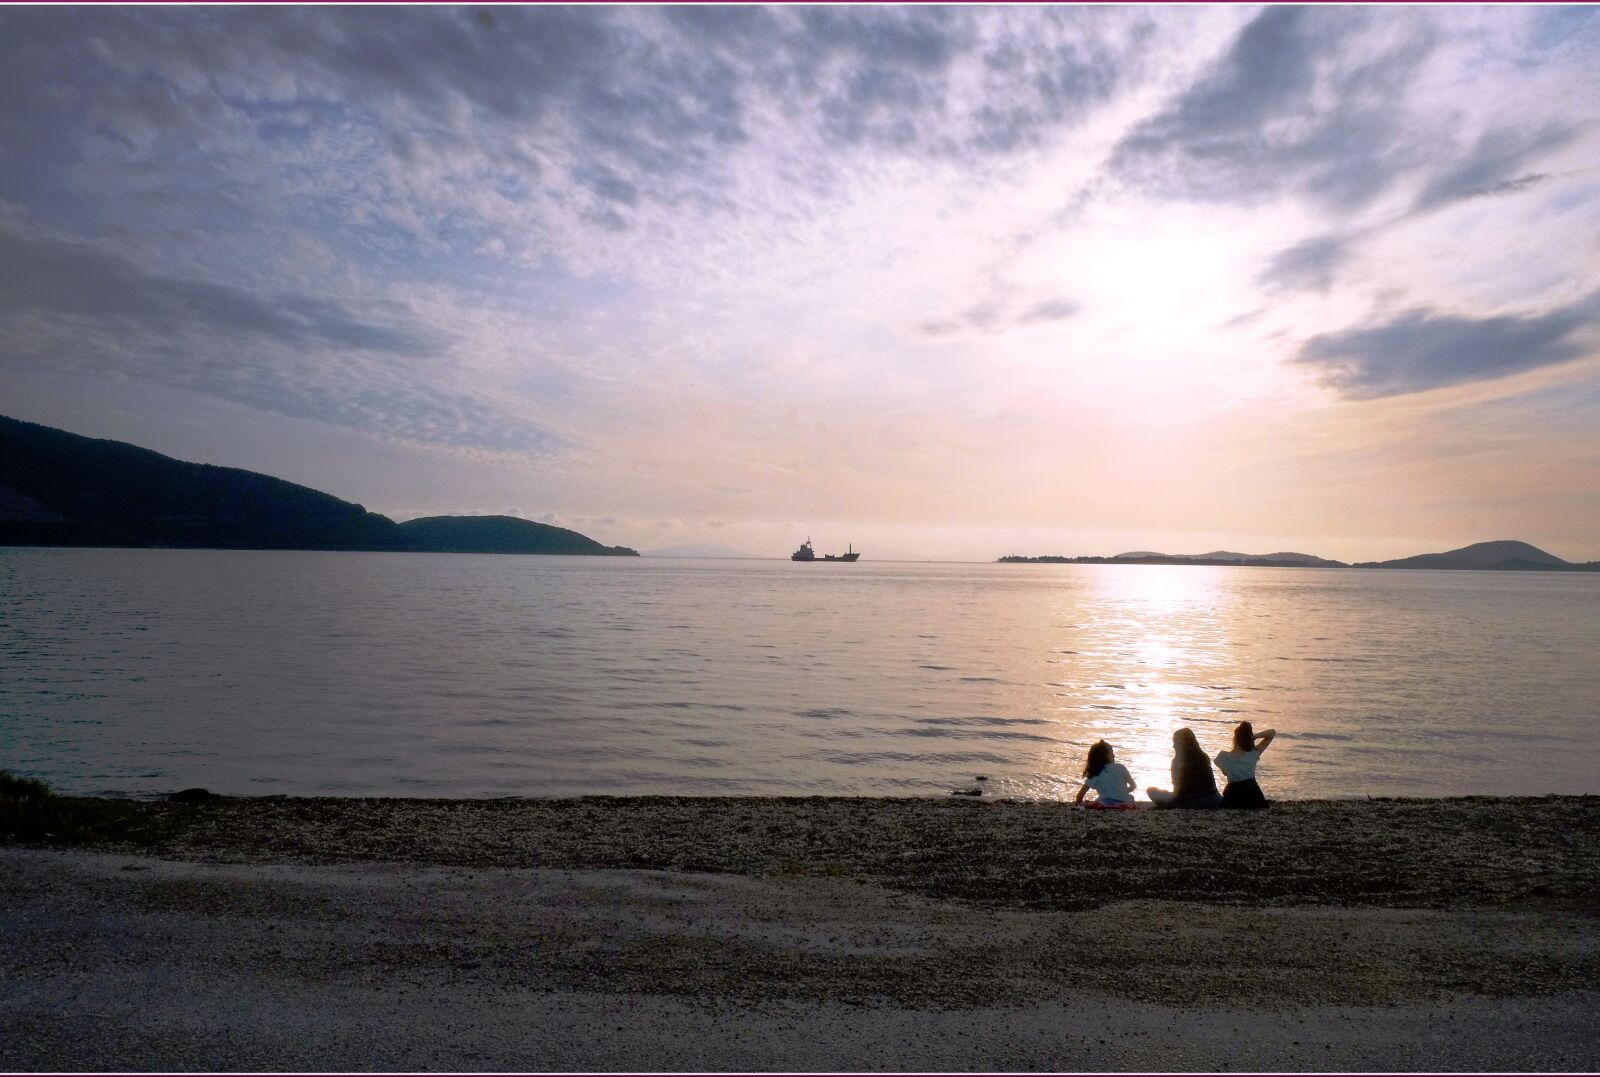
<point x="1500" y="554"/>
<point x="61" y="489"/>
<point x="501" y="534"/>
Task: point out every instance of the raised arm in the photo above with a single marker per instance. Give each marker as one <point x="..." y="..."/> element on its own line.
<point x="1264" y="738"/>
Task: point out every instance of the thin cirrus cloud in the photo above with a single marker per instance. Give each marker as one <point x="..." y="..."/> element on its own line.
<point x="645" y="104"/>
<point x="1497" y="164"/>
<point x="981" y="317"/>
<point x="992" y="317"/>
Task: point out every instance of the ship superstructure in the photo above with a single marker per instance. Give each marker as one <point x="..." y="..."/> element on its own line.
<point x="806" y="553"/>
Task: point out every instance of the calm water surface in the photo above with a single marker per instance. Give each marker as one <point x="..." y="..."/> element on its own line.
<point x="141" y="671"/>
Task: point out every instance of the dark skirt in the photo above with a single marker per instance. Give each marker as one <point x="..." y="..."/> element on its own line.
<point x="1245" y="794"/>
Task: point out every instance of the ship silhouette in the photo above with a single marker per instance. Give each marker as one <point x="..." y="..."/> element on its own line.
<point x="806" y="553"/>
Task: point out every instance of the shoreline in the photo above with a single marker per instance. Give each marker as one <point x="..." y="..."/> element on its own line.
<point x="1402" y="852"/>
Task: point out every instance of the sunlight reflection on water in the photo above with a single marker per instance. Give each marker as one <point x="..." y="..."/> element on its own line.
<point x="146" y="670"/>
<point x="1155" y="636"/>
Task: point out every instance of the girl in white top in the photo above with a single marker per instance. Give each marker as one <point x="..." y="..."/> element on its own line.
<point x="1238" y="765"/>
<point x="1109" y="779"/>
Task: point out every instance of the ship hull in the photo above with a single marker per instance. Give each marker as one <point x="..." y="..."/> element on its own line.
<point x="806" y="553"/>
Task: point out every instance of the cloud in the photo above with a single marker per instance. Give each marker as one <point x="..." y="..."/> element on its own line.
<point x="606" y="184"/>
<point x="72" y="279"/>
<point x="990" y="317"/>
<point x="1495" y="165"/>
<point x="982" y="316"/>
<point x="1050" y="310"/>
<point x="633" y="105"/>
<point x="1307" y="266"/>
<point x="1423" y="349"/>
<point x="79" y="309"/>
<point x="1492" y="167"/>
<point x="515" y="228"/>
<point x="943" y="82"/>
<point x="1293" y="105"/>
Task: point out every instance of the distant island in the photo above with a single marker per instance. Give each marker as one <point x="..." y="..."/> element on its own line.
<point x="1501" y="555"/>
<point x="62" y="489"/>
<point x="1216" y="557"/>
<point x="502" y="534"/>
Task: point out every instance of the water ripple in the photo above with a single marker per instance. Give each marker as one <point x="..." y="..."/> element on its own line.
<point x="356" y="674"/>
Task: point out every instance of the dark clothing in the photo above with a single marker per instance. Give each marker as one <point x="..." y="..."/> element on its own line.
<point x="1246" y="794"/>
<point x="1193" y="785"/>
<point x="1202" y="799"/>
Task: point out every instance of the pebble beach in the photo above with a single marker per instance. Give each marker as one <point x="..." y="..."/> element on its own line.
<point x="806" y="933"/>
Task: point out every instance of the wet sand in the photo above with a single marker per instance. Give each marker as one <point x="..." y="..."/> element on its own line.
<point x="678" y="933"/>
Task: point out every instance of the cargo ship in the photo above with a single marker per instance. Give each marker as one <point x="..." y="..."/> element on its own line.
<point x="806" y="553"/>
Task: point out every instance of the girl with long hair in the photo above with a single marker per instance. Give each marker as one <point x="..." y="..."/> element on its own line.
<point x="1110" y="780"/>
<point x="1238" y="765"/>
<point x="1192" y="783"/>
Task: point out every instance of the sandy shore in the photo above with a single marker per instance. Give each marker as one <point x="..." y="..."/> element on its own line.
<point x="669" y="933"/>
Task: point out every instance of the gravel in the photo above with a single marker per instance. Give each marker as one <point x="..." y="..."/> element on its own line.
<point x="1456" y="853"/>
<point x="806" y="934"/>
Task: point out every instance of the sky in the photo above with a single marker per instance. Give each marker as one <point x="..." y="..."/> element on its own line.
<point x="944" y="282"/>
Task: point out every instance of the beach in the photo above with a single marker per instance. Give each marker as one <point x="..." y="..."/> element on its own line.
<point x="808" y="933"/>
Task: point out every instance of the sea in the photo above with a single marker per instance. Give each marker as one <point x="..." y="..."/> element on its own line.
<point x="139" y="672"/>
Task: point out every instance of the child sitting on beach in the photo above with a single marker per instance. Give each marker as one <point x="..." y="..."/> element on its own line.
<point x="1109" y="779"/>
